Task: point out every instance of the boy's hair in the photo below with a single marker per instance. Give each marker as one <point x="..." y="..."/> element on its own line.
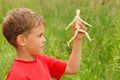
<point x="20" y="21"/>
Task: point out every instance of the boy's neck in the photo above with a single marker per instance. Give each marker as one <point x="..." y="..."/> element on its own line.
<point x="24" y="55"/>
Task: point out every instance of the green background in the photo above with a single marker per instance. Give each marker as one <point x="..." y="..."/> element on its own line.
<point x="100" y="58"/>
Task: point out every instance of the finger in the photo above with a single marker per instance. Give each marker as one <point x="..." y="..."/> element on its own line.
<point x="73" y="26"/>
<point x="82" y="26"/>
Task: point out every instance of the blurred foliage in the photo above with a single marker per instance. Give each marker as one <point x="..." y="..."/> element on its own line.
<point x="100" y="58"/>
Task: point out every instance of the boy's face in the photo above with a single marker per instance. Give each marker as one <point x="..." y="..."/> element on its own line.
<point x="35" y="41"/>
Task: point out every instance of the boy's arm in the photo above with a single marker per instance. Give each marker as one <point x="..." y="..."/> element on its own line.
<point x="74" y="59"/>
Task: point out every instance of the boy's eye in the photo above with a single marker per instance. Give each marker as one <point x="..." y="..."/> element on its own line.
<point x="41" y="35"/>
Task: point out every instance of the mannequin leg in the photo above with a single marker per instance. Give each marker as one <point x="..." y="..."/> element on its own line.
<point x="86" y="34"/>
<point x="68" y="43"/>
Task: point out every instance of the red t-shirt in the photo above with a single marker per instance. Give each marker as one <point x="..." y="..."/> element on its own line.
<point x="42" y="68"/>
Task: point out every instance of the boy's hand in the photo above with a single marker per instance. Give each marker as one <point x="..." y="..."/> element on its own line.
<point x="80" y="34"/>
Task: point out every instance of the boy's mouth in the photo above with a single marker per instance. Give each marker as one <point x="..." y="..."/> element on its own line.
<point x="42" y="47"/>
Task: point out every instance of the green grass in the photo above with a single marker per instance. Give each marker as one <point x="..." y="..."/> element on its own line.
<point x="100" y="58"/>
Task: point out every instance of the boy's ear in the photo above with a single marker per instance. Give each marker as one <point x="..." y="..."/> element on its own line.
<point x="21" y="40"/>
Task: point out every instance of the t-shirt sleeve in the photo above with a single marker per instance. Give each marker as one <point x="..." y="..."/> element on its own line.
<point x="56" y="67"/>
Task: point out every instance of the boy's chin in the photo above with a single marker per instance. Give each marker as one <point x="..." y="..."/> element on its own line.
<point x="35" y="55"/>
<point x="41" y="51"/>
<point x="38" y="53"/>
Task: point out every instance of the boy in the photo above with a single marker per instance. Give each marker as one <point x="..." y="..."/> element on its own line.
<point x="24" y="29"/>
